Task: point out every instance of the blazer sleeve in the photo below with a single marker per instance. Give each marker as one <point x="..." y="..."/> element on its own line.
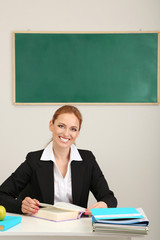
<point x="10" y="189"/>
<point x="99" y="186"/>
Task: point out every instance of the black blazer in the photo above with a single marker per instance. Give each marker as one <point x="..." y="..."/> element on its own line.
<point x="34" y="178"/>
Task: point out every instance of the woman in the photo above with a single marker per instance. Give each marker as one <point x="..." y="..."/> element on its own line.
<point x="60" y="172"/>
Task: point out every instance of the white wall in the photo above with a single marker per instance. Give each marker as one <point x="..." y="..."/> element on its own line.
<point x="125" y="139"/>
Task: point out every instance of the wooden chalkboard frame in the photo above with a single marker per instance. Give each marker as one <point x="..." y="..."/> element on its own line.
<point x="84" y="103"/>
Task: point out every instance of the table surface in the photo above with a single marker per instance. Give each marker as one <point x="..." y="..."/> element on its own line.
<point x="31" y="226"/>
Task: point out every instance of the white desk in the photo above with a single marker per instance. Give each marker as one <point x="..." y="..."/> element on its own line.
<point x="37" y="229"/>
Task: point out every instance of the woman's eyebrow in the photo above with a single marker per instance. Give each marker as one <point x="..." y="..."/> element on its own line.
<point x="74" y="127"/>
<point x="62" y="123"/>
<point x="66" y="125"/>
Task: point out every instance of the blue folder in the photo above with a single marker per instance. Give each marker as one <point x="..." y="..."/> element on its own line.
<point x="9" y="221"/>
<point x="122" y="216"/>
<point x="119" y="216"/>
<point x="115" y="213"/>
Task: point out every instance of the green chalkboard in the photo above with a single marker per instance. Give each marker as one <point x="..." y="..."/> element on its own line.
<point x="85" y="67"/>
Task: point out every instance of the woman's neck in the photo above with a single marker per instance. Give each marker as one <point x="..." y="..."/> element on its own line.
<point x="61" y="154"/>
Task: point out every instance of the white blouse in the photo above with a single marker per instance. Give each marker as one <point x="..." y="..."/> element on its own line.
<point x="62" y="186"/>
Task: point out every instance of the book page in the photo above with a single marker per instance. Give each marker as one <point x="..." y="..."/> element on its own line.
<point x="45" y="205"/>
<point x="56" y="214"/>
<point x="63" y="205"/>
<point x="54" y="210"/>
<point x="69" y="206"/>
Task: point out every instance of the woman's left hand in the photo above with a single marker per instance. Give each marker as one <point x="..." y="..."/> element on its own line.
<point x="96" y="205"/>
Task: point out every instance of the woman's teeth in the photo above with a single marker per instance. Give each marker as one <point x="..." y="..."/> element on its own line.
<point x="64" y="139"/>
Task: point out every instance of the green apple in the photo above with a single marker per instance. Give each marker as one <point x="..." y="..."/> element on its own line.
<point x="2" y="213"/>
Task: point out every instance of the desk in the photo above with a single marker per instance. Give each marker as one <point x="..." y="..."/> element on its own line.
<point x="38" y="229"/>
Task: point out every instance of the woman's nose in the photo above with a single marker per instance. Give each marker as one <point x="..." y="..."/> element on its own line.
<point x="66" y="132"/>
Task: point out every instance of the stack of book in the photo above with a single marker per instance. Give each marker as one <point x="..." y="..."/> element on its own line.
<point x="129" y="220"/>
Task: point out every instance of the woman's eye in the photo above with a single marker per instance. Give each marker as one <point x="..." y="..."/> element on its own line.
<point x="60" y="126"/>
<point x="74" y="129"/>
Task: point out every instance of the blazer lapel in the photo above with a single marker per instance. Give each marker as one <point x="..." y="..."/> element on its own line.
<point x="77" y="173"/>
<point x="46" y="181"/>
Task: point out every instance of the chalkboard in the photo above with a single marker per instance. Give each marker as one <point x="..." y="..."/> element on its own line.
<point x="53" y="68"/>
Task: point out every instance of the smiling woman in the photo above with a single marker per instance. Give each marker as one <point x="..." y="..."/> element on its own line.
<point x="65" y="129"/>
<point x="60" y="172"/>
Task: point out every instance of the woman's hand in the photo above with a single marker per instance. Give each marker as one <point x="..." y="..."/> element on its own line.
<point x="96" y="205"/>
<point x="30" y="206"/>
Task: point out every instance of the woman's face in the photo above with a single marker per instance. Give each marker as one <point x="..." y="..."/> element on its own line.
<point x="65" y="130"/>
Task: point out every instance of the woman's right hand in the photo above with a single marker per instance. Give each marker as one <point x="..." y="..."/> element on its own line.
<point x="30" y="206"/>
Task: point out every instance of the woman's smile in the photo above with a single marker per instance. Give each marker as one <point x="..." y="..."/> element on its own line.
<point x="64" y="140"/>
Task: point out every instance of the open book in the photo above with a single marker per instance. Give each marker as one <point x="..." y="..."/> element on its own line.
<point x="60" y="211"/>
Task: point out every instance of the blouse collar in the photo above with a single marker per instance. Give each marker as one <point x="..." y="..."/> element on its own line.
<point x="49" y="155"/>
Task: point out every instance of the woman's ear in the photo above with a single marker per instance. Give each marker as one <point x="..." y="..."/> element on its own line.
<point x="51" y="125"/>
